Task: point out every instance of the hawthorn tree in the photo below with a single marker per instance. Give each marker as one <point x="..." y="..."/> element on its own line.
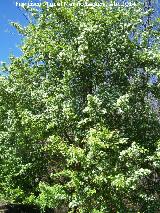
<point x="79" y="119"/>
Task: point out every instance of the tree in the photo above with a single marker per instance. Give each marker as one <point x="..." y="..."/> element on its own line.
<point x="78" y="129"/>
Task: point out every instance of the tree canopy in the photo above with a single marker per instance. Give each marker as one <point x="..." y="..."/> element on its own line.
<point x="79" y="116"/>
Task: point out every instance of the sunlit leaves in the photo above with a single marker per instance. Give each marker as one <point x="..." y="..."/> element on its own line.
<point x="78" y="129"/>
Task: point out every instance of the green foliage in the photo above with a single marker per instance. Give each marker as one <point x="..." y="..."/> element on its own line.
<point x="79" y="127"/>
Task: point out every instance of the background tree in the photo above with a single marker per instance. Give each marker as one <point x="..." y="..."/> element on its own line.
<point x="77" y="127"/>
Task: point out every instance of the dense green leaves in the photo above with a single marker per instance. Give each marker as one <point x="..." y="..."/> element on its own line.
<point x="79" y="120"/>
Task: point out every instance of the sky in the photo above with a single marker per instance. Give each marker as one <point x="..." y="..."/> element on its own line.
<point x="9" y="37"/>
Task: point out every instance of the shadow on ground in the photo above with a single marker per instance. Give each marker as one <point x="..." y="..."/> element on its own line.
<point x="16" y="208"/>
